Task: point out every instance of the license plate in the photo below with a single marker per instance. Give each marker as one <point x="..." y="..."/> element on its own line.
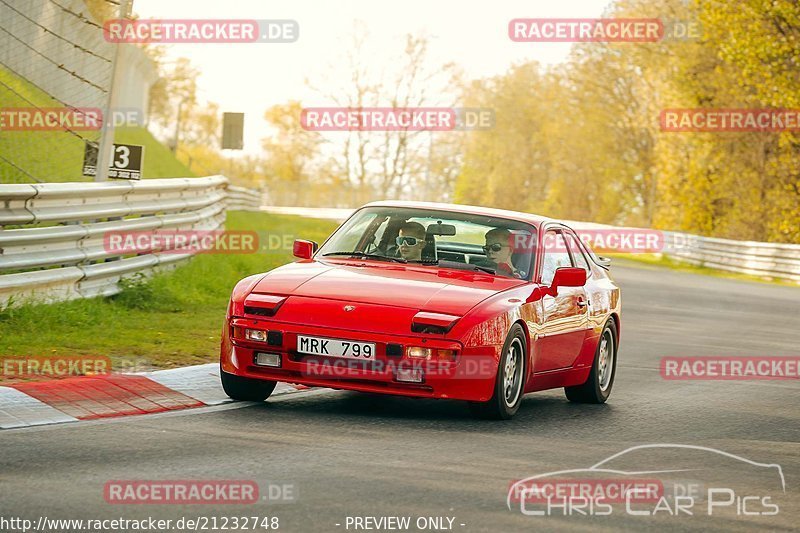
<point x="335" y="347"/>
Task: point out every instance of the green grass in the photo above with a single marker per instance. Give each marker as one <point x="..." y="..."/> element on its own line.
<point x="57" y="156"/>
<point x="173" y="319"/>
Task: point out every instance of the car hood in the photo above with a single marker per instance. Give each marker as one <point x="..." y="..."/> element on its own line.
<point x="415" y="287"/>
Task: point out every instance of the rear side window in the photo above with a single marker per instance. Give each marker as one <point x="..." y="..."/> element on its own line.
<point x="577" y="252"/>
<point x="555" y="255"/>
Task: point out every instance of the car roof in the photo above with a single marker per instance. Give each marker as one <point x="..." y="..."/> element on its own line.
<point x="536" y="220"/>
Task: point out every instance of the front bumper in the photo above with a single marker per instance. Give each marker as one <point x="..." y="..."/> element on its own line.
<point x="470" y="377"/>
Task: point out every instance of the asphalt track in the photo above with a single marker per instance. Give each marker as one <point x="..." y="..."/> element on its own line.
<point x="350" y="455"/>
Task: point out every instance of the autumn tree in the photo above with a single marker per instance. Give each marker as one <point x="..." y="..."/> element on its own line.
<point x="291" y="154"/>
<point x="389" y="164"/>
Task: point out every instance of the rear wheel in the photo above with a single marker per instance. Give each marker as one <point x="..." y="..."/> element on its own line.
<point x="246" y="389"/>
<point x="597" y="388"/>
<point x="510" y="380"/>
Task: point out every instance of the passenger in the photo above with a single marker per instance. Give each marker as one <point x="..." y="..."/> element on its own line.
<point x="498" y="250"/>
<point x="411" y="241"/>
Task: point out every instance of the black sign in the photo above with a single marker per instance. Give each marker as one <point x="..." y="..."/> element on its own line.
<point x="232" y="131"/>
<point x="126" y="164"/>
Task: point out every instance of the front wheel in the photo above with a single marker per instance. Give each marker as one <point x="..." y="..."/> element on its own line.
<point x="246" y="389"/>
<point x="510" y="380"/>
<point x="597" y="388"/>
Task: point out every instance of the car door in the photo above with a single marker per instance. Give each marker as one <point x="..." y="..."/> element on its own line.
<point x="564" y="315"/>
<point x="594" y="310"/>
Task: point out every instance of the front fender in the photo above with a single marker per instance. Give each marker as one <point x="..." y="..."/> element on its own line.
<point x="483" y="331"/>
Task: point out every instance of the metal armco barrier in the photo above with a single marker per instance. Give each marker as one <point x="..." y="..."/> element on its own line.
<point x="51" y="241"/>
<point x="52" y="237"/>
<point x="243" y="199"/>
<point x="768" y="260"/>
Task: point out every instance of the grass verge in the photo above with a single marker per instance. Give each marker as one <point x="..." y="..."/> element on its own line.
<point x="57" y="156"/>
<point x="172" y="319"/>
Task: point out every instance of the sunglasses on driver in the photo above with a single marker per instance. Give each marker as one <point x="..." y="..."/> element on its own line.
<point x="496" y="247"/>
<point x="408" y="241"/>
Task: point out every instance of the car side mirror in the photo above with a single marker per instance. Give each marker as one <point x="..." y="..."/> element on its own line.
<point x="567" y="277"/>
<point x="604" y="262"/>
<point x="304" y="249"/>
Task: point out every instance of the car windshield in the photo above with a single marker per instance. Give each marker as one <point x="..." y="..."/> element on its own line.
<point x="442" y="239"/>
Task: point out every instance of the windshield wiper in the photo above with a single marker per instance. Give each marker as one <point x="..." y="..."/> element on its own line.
<point x="460" y="266"/>
<point x="362" y="255"/>
<point x="488" y="270"/>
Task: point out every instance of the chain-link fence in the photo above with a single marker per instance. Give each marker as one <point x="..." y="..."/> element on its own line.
<point x="55" y="78"/>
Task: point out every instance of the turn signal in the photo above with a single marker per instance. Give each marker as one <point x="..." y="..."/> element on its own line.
<point x="255" y="335"/>
<point x="419" y="353"/>
<point x="446" y="355"/>
<point x="431" y="354"/>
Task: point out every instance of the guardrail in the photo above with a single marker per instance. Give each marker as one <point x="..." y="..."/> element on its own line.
<point x="770" y="260"/>
<point x="52" y="248"/>
<point x="777" y="261"/>
<point x="52" y="237"/>
<point x="244" y="199"/>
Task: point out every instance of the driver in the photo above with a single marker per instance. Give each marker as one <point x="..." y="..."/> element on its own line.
<point x="411" y="241"/>
<point x="498" y="250"/>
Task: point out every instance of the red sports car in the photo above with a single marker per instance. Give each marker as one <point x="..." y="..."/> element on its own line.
<point x="434" y="301"/>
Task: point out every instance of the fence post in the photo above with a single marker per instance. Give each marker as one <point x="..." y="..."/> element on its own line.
<point x="105" y="152"/>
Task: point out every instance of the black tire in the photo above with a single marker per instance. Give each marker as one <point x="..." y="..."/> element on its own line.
<point x="246" y="389"/>
<point x="505" y="403"/>
<point x="595" y="391"/>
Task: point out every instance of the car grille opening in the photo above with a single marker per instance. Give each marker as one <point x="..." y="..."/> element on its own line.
<point x="260" y="311"/>
<point x="428" y="328"/>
